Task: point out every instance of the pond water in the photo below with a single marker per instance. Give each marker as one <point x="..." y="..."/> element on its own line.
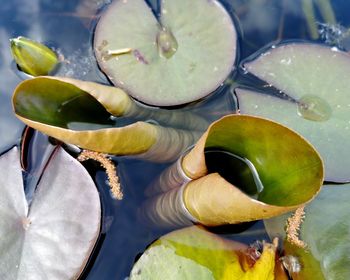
<point x="67" y="26"/>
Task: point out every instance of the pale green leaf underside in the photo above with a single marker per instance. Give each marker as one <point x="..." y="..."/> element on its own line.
<point x="301" y="70"/>
<point x="152" y="266"/>
<point x="54" y="239"/>
<point x="327" y="231"/>
<point x="205" y="56"/>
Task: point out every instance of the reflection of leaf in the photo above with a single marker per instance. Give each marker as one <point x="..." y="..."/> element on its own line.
<point x="315" y="78"/>
<point x="54" y="105"/>
<point x="202" y="32"/>
<point x="52" y="237"/>
<point x="289" y="168"/>
<point x="326" y="230"/>
<point x="193" y="253"/>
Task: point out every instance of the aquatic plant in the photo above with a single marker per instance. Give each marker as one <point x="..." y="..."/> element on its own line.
<point x="80" y="113"/>
<point x="174" y="63"/>
<point x="32" y="57"/>
<point x="52" y="236"/>
<point x="325" y="230"/>
<point x="110" y="168"/>
<point x="287" y="173"/>
<point x="316" y="102"/>
<point x="163" y="61"/>
<point x="194" y="253"/>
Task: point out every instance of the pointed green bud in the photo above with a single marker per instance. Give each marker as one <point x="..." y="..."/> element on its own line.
<point x="32" y="57"/>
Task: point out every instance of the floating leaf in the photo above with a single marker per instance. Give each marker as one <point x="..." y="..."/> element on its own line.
<point x="193" y="253"/>
<point x="288" y="167"/>
<point x="78" y="113"/>
<point x="315" y="78"/>
<point x="53" y="237"/>
<point x="183" y="57"/>
<point x="32" y="57"/>
<point x="326" y="231"/>
<point x="301" y="264"/>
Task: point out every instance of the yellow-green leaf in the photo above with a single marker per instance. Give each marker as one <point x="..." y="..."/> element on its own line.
<point x="194" y="253"/>
<point x="79" y="113"/>
<point x="285" y="170"/>
<point x="289" y="168"/>
<point x="32" y="57"/>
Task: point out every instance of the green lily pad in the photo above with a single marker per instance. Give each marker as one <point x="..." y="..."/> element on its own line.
<point x="182" y="57"/>
<point x="79" y="113"/>
<point x="315" y="78"/>
<point x="326" y="231"/>
<point x="193" y="253"/>
<point x="53" y="236"/>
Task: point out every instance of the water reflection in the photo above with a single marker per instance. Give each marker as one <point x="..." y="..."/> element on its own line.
<point x="10" y="127"/>
<point x="56" y="23"/>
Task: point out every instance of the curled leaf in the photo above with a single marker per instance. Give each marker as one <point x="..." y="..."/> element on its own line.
<point x="32" y="57"/>
<point x="79" y="113"/>
<point x="286" y="169"/>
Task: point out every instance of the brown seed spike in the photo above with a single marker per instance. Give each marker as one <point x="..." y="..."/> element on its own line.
<point x="293" y="227"/>
<point x="110" y="168"/>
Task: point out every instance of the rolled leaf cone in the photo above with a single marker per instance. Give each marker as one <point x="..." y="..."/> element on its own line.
<point x="167" y="210"/>
<point x="55" y="106"/>
<point x="171" y="178"/>
<point x="32" y="57"/>
<point x="117" y="102"/>
<point x="289" y="168"/>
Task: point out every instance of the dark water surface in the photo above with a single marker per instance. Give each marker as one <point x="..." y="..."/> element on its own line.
<point x="67" y="26"/>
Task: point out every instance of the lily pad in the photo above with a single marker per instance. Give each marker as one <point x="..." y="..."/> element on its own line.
<point x="326" y="231"/>
<point x="314" y="77"/>
<point x="288" y="167"/>
<point x="53" y="237"/>
<point x="79" y="113"/>
<point x="181" y="57"/>
<point x="193" y="253"/>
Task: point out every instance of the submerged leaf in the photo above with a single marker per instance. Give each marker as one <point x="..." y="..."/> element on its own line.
<point x="32" y="57"/>
<point x="326" y="231"/>
<point x="315" y="78"/>
<point x="78" y="112"/>
<point x="193" y="253"/>
<point x="53" y="237"/>
<point x="183" y="57"/>
<point x="286" y="169"/>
